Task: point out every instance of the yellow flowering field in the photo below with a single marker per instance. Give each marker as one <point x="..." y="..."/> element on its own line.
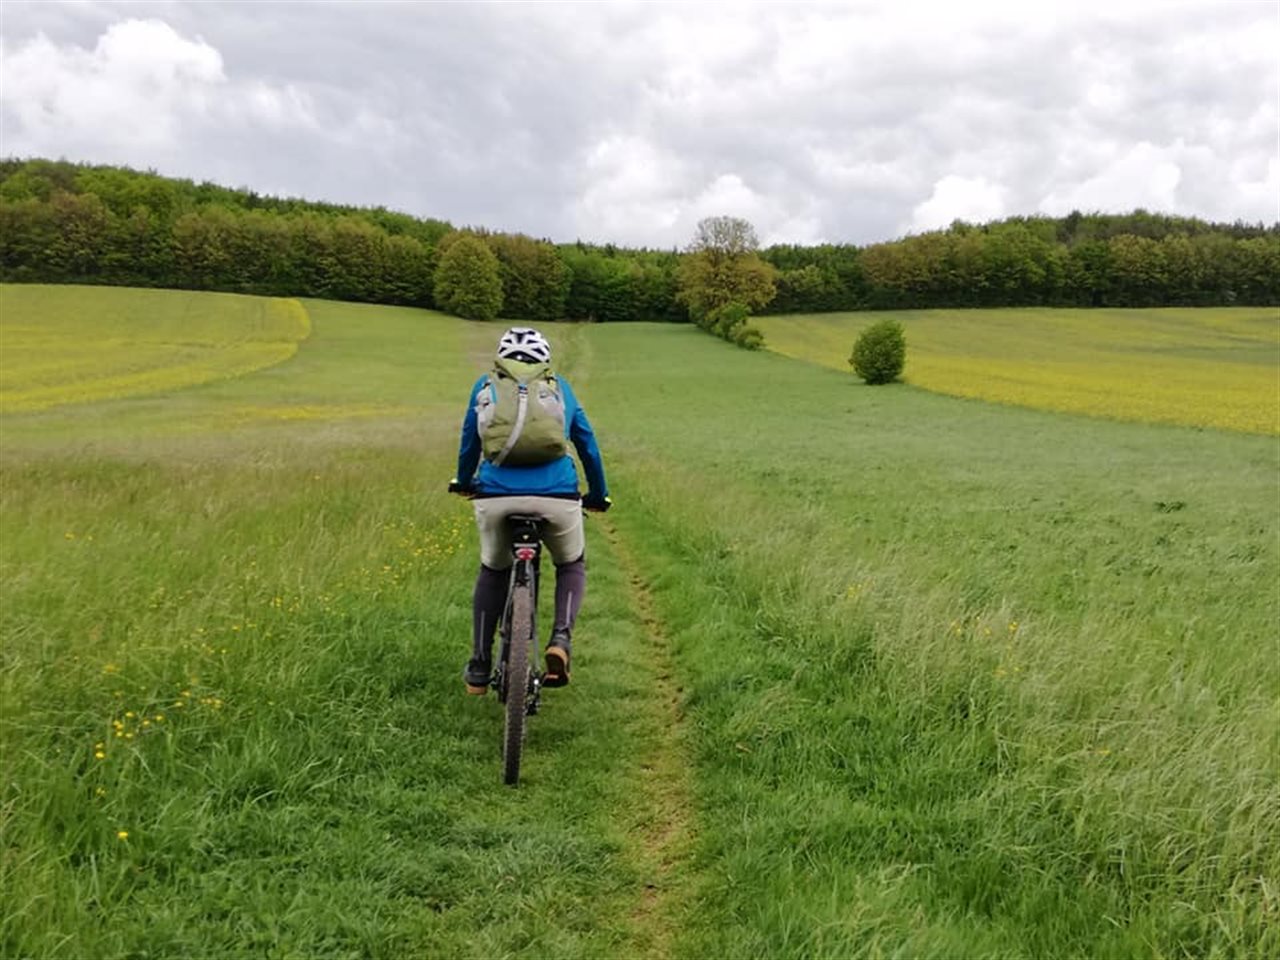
<point x="1210" y="367"/>
<point x="76" y="344"/>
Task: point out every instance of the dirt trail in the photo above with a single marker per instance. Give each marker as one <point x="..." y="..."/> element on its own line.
<point x="664" y="801"/>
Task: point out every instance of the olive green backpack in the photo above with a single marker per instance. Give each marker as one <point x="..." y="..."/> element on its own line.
<point x="520" y="414"/>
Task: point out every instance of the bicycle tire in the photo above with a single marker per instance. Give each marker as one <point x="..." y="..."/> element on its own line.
<point x="517" y="682"/>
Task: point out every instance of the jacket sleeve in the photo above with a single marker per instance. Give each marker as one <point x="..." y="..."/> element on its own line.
<point x="584" y="441"/>
<point x="469" y="445"/>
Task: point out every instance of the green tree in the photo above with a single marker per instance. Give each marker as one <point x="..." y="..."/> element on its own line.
<point x="1137" y="270"/>
<point x="201" y="249"/>
<point x="410" y="266"/>
<point x="357" y="265"/>
<point x="880" y="352"/>
<point x="138" y="251"/>
<point x="801" y="290"/>
<point x="81" y="225"/>
<point x="721" y="266"/>
<point x="535" y="281"/>
<point x="27" y="229"/>
<point x="468" y="282"/>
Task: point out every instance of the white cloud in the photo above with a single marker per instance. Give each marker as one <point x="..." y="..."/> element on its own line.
<point x="143" y="92"/>
<point x="775" y="221"/>
<point x="628" y="188"/>
<point x="958" y="198"/>
<point x="1143" y="176"/>
<point x="133" y="88"/>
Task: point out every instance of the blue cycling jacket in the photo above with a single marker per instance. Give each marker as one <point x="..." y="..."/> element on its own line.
<point x="558" y="478"/>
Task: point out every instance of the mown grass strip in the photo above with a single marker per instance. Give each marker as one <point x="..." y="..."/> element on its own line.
<point x="662" y="814"/>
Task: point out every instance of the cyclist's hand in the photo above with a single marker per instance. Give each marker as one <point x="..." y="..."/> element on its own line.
<point x="465" y="489"/>
<point x="596" y="504"/>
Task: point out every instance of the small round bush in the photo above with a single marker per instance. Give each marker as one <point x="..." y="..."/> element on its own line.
<point x="749" y="337"/>
<point x="880" y="352"/>
<point x="725" y="319"/>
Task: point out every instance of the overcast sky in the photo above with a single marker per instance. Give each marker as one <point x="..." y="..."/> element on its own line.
<point x="843" y="122"/>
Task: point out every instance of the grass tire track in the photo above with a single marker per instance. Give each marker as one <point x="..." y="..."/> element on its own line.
<point x="664" y="805"/>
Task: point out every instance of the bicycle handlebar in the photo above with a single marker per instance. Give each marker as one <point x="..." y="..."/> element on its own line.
<point x="589" y="502"/>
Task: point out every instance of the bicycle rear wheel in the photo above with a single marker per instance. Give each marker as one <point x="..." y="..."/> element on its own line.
<point x="517" y="681"/>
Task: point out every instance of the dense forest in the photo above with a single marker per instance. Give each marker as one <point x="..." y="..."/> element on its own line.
<point x="71" y="223"/>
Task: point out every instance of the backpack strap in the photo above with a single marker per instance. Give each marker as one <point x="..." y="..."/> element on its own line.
<point x="522" y="410"/>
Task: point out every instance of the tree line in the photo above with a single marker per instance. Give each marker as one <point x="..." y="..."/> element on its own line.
<point x="75" y="223"/>
<point x="1081" y="260"/>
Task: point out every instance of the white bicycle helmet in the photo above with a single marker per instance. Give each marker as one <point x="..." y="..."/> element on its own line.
<point x="524" y="343"/>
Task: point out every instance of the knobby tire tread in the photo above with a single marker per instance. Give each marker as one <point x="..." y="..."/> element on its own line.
<point x="517" y="682"/>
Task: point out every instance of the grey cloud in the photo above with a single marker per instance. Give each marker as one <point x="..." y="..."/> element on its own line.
<point x="623" y="122"/>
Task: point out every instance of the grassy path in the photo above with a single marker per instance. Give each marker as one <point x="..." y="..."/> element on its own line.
<point x="664" y="807"/>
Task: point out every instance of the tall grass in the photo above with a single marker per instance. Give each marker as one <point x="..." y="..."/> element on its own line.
<point x="951" y="679"/>
<point x="231" y="711"/>
<point x="964" y="680"/>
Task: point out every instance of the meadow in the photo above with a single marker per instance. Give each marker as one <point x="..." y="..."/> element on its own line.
<point x="1213" y="367"/>
<point x="861" y="671"/>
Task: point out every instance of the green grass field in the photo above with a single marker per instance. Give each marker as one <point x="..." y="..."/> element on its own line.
<point x="861" y="671"/>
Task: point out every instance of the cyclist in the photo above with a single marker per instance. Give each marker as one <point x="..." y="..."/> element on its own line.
<point x="549" y="490"/>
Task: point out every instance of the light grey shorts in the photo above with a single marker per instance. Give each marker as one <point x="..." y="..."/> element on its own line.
<point x="562" y="531"/>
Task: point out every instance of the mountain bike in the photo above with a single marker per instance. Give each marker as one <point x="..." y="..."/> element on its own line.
<point x="516" y="677"/>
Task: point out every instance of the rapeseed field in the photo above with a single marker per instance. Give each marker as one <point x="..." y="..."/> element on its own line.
<point x="70" y="344"/>
<point x="1216" y="367"/>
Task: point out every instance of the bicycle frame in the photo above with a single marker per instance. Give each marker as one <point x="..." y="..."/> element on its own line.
<point x="518" y="654"/>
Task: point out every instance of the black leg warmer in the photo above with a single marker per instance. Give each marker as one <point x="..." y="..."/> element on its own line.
<point x="571" y="584"/>
<point x="486" y="609"/>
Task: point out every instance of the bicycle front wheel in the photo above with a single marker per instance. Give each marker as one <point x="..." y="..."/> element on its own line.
<point x="517" y="681"/>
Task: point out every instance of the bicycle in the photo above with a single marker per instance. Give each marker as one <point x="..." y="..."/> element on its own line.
<point x="515" y="678"/>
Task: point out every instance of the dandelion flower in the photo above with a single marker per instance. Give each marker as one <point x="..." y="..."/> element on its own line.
<point x="99" y="755"/>
<point x="122" y="834"/>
